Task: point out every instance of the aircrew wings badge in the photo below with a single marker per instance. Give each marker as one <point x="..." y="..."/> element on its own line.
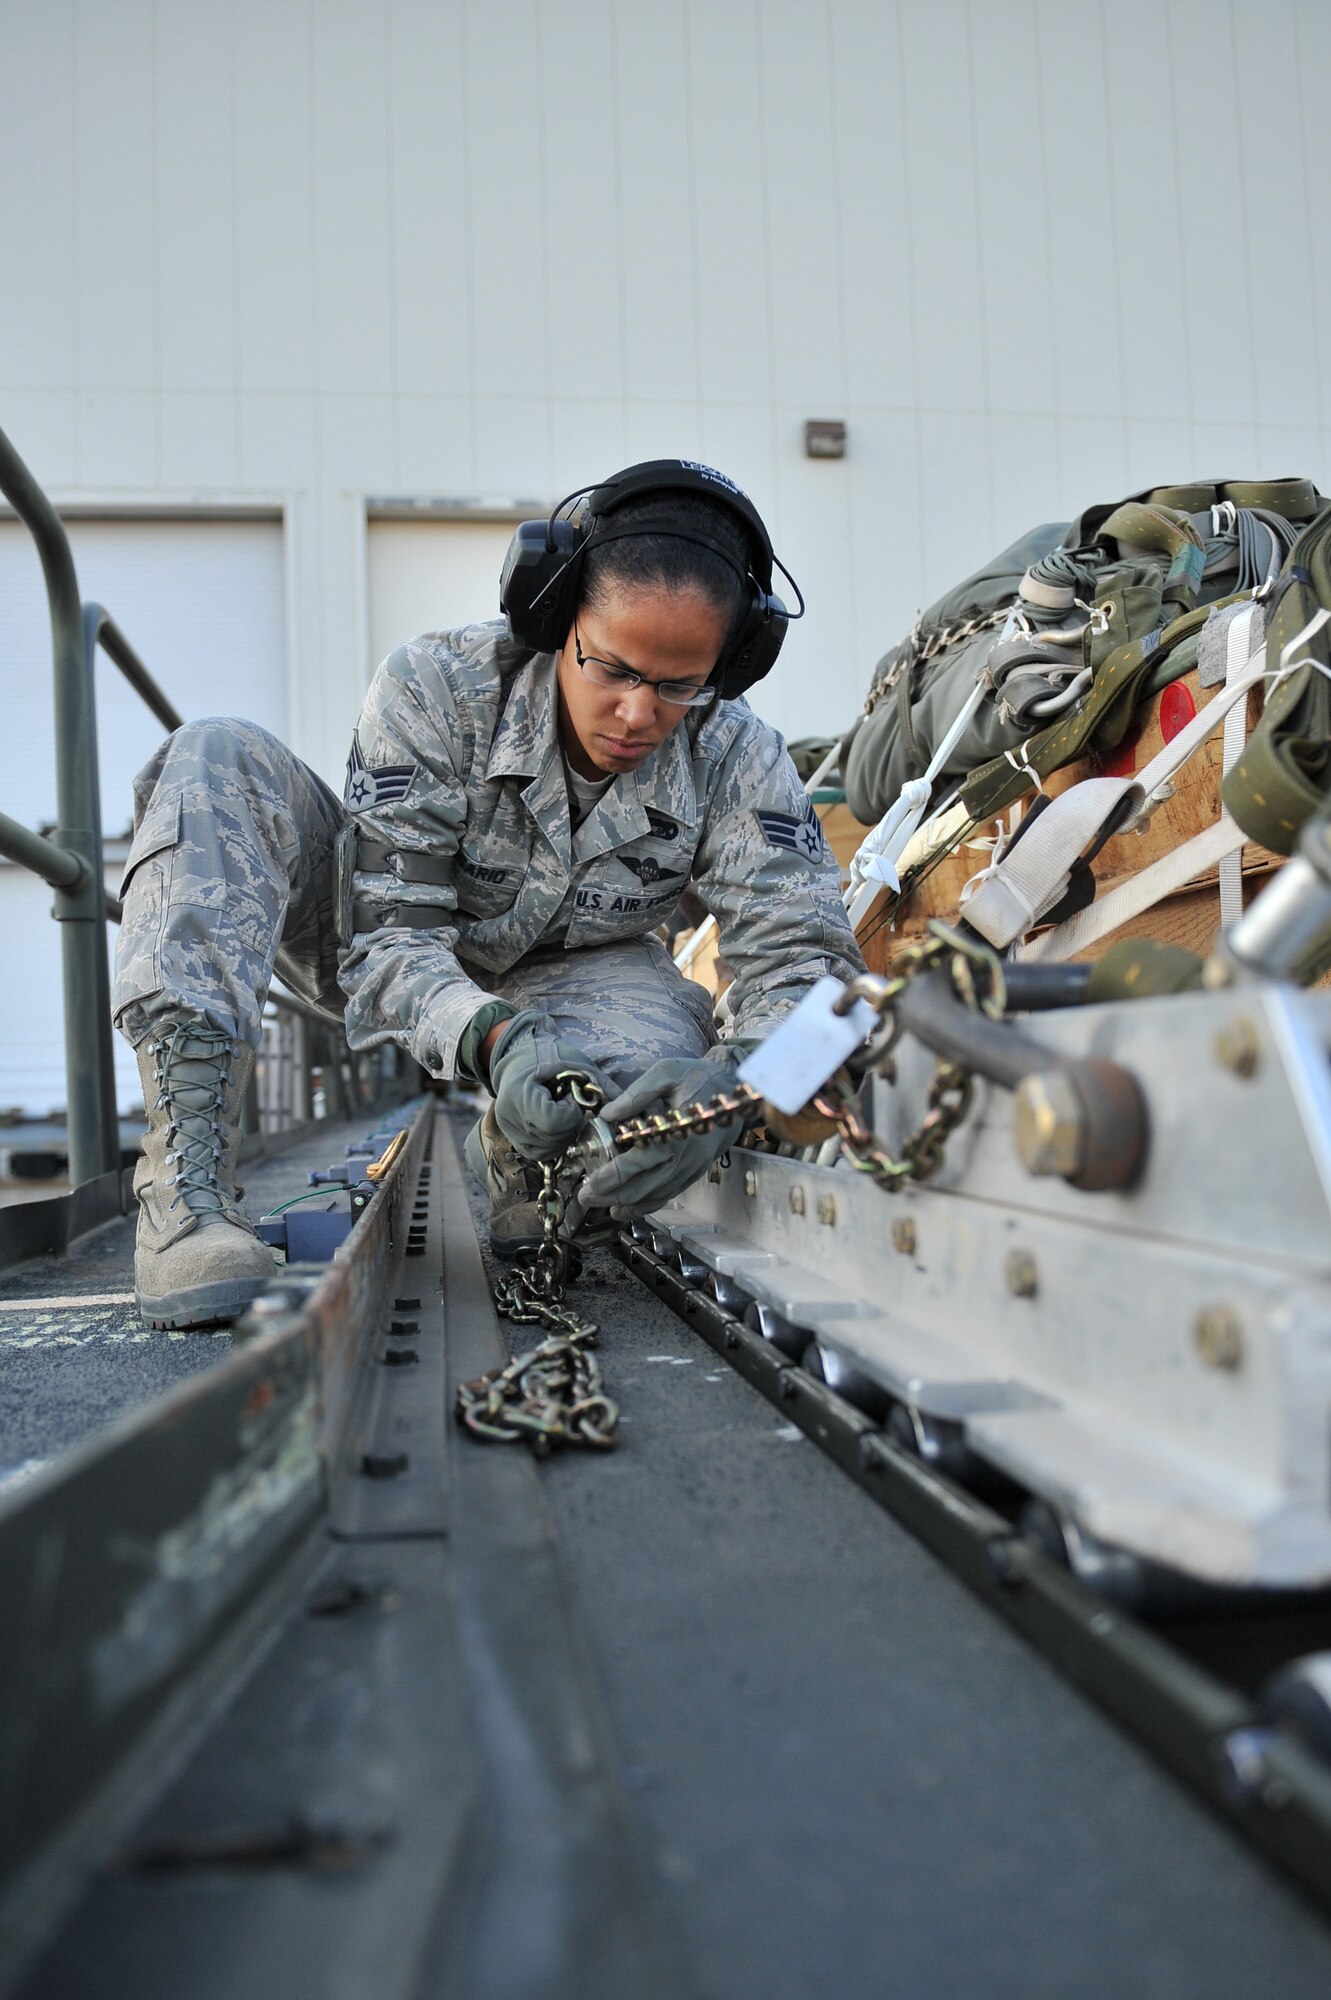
<point x="802" y="836"/>
<point x="369" y="786"/>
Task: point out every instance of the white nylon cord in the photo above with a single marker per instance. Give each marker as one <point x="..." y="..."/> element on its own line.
<point x="876" y="860"/>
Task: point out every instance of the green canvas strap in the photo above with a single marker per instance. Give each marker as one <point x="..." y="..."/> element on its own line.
<point x="1101" y="718"/>
<point x="1295" y="499"/>
<point x="1284" y="774"/>
<point x="1169" y="532"/>
<point x="1189" y="499"/>
<point x="1142" y="969"/>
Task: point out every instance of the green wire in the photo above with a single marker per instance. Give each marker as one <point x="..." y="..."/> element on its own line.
<point x="334" y="1188"/>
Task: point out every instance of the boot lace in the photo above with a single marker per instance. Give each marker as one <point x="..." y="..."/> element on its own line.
<point x="192" y="1066"/>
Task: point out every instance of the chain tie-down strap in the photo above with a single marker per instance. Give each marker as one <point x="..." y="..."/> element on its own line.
<point x="554" y="1395"/>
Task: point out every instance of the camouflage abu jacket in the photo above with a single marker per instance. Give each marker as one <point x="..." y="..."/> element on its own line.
<point x="468" y="861"/>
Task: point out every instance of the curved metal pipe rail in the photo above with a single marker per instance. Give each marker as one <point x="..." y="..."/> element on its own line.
<point x="70" y="860"/>
<point x="94" y="1139"/>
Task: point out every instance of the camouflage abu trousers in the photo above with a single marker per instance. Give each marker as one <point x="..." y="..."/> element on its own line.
<point x="230" y="877"/>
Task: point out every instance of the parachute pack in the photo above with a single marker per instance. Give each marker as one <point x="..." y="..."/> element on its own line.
<point x="1044" y="751"/>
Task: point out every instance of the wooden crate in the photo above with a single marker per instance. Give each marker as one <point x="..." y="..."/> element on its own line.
<point x="1190" y="917"/>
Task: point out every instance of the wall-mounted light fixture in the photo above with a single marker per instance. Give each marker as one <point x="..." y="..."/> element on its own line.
<point x="824" y="438"/>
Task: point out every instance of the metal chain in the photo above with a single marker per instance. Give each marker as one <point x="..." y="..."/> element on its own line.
<point x="554" y="1395"/>
<point x="921" y="1156"/>
<point x="551" y="1396"/>
<point x="741" y="1102"/>
<point x="952" y="1089"/>
<point x="926" y="646"/>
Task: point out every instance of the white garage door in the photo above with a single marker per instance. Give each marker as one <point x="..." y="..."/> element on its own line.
<point x="202" y="603"/>
<point x="430" y="576"/>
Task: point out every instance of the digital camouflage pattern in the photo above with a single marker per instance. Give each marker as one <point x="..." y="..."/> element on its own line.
<point x="232" y="857"/>
<point x="456" y="771"/>
<point x="461" y="729"/>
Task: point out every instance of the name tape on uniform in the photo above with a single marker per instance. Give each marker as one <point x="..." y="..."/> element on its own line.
<point x="807" y="1048"/>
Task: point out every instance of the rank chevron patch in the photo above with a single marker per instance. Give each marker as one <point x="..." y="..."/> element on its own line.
<point x="802" y="836"/>
<point x="369" y="786"/>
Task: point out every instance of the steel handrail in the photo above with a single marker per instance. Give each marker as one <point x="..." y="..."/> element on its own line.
<point x="40" y="856"/>
<point x="94" y="1136"/>
<point x="100" y="629"/>
<point x="71" y="858"/>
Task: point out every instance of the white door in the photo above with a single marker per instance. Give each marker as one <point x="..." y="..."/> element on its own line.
<point x="432" y="576"/>
<point x="202" y="603"/>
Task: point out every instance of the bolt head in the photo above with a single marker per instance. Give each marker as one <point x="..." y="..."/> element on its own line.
<point x="1218" y="1333"/>
<point x="798" y="1201"/>
<point x="1237" y="1048"/>
<point x="827" y="1209"/>
<point x="1049" y="1124"/>
<point x="750" y="1181"/>
<point x="1020" y="1273"/>
<point x="904" y="1237"/>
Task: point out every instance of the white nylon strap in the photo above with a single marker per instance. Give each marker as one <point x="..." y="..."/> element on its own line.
<point x="1013" y="893"/>
<point x="1238" y="651"/>
<point x="877" y="858"/>
<point x="1138" y="893"/>
<point x="1002" y="913"/>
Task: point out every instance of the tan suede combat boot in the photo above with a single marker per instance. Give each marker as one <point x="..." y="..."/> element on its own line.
<point x="512" y="1184"/>
<point x="197" y="1261"/>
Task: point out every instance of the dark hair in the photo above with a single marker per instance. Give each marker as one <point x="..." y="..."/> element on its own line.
<point x="659" y="560"/>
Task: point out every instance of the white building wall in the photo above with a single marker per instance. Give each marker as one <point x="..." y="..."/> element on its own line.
<point x="305" y="252"/>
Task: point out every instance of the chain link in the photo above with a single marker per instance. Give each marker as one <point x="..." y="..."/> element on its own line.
<point x="554" y="1395"/>
<point x="682" y="1121"/>
<point x="976" y="972"/>
<point x="921" y="1155"/>
<point x="548" y="1397"/>
<point x="926" y="646"/>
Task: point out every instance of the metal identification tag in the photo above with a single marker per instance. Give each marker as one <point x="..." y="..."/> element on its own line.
<point x="807" y="1048"/>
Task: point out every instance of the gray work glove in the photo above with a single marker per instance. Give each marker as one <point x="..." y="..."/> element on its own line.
<point x="523" y="1063"/>
<point x="647" y="1176"/>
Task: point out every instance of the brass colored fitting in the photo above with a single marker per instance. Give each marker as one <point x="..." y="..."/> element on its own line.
<point x="1050" y="1124"/>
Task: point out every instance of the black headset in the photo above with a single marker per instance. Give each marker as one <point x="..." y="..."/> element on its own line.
<point x="538" y="590"/>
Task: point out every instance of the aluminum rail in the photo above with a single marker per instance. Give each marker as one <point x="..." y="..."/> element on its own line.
<point x="285" y="1577"/>
<point x="170" y="1525"/>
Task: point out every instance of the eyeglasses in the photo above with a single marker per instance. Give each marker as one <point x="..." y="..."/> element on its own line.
<point x="601" y="673"/>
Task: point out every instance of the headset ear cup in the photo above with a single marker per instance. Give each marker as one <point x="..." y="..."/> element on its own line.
<point x="539" y="581"/>
<point x="753" y="651"/>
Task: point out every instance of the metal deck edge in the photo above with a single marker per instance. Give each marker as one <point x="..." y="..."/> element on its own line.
<point x="130" y="1566"/>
